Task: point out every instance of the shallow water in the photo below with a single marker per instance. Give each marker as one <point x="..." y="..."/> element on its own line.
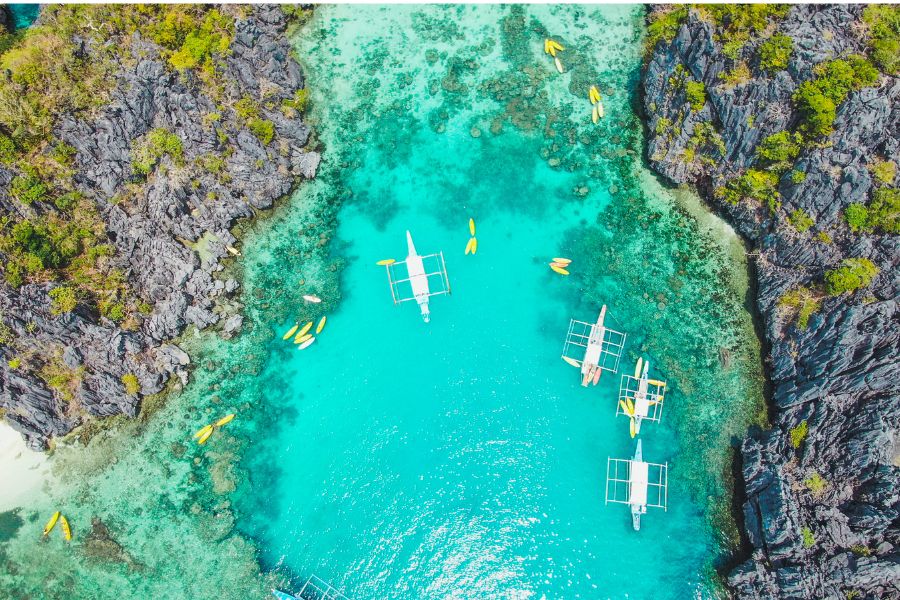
<point x="460" y="458"/>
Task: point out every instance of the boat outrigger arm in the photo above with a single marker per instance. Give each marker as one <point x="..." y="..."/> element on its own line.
<point x="418" y="277"/>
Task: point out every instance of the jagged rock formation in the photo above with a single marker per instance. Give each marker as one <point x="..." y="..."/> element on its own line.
<point x="837" y="536"/>
<point x="170" y="235"/>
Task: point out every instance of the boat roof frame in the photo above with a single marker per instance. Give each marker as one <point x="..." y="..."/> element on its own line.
<point x="658" y="483"/>
<point x="629" y="387"/>
<point x="316" y="588"/>
<point x="441" y="272"/>
<point x="611" y="347"/>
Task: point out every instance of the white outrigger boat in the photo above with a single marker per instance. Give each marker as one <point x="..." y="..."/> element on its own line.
<point x="638" y="484"/>
<point x="418" y="278"/>
<point x="593" y="347"/>
<point x="641" y="398"/>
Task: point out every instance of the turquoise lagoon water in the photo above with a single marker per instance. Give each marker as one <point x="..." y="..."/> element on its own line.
<point x="457" y="459"/>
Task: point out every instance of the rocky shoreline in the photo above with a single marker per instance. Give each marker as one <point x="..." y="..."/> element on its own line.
<point x="170" y="231"/>
<point x="820" y="487"/>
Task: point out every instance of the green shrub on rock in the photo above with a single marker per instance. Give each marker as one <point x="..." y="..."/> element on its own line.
<point x="884" y="171"/>
<point x="775" y="53"/>
<point x="664" y="25"/>
<point x="263" y="129"/>
<point x="63" y="299"/>
<point x="809" y="540"/>
<point x="818" y="98"/>
<point x="147" y="151"/>
<point x="780" y="147"/>
<point x="798" y="433"/>
<point x="131" y="383"/>
<point x="695" y="94"/>
<point x="754" y="184"/>
<point x="882" y="214"/>
<point x="804" y="302"/>
<point x="884" y="35"/>
<point x="853" y="274"/>
<point x="801" y="220"/>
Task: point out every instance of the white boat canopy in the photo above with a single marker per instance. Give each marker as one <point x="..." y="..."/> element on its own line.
<point x="594" y="347"/>
<point x="425" y="276"/>
<point x="637" y="483"/>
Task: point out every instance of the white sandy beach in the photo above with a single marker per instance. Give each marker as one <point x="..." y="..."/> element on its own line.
<point x="21" y="470"/>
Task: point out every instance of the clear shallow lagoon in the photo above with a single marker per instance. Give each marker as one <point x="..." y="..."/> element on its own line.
<point x="456" y="459"/>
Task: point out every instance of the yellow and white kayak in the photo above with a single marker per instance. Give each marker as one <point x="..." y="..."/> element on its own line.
<point x="206" y="435"/>
<point x="562" y="261"/>
<point x="203" y="431"/>
<point x="556" y="45"/>
<point x="469" y="245"/>
<point x="312" y="298"/>
<point x="637" y="368"/>
<point x="291" y="331"/>
<point x="51" y="523"/>
<point x="471" y="226"/>
<point x="599" y="107"/>
<point x="67" y="531"/>
<point x="321" y="325"/>
<point x="559" y="270"/>
<point x="306" y="344"/>
<point x="572" y="361"/>
<point x="559" y="66"/>
<point x="305" y="329"/>
<point x="302" y="338"/>
<point x="385" y="262"/>
<point x="225" y="420"/>
<point x="595" y="116"/>
<point x="594" y="94"/>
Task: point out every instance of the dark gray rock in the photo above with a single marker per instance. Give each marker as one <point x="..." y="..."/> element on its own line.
<point x="841" y="375"/>
<point x="170" y="236"/>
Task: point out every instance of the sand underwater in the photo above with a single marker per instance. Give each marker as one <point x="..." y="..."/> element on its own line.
<point x="457" y="459"/>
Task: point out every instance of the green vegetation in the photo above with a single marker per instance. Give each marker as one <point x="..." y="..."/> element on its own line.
<point x="809" y="540"/>
<point x="63" y="299"/>
<point x="775" y="53"/>
<point x="663" y="26"/>
<point x="754" y="184"/>
<point x="804" y="302"/>
<point x="884" y="171"/>
<point x="884" y="35"/>
<point x="14" y="363"/>
<point x="883" y="213"/>
<point x="695" y="94"/>
<point x="853" y="274"/>
<point x="857" y="216"/>
<point x="733" y="45"/>
<point x="743" y="18"/>
<point x="780" y="149"/>
<point x="298" y="102"/>
<point x="823" y="237"/>
<point x="264" y="130"/>
<point x="861" y="550"/>
<point x="817" y="99"/>
<point x="798" y="433"/>
<point x="739" y="75"/>
<point x="196" y="42"/>
<point x="130" y="381"/>
<point x="148" y="150"/>
<point x="28" y="189"/>
<point x="816" y="484"/>
<point x="798" y="176"/>
<point x="662" y="125"/>
<point x="800" y="220"/>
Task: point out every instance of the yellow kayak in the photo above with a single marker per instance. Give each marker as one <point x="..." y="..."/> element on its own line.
<point x="67" y="531"/>
<point x="594" y="94"/>
<point x="321" y="325"/>
<point x="303" y="332"/>
<point x="562" y="261"/>
<point x="225" y="420"/>
<point x="302" y="339"/>
<point x="595" y="116"/>
<point x="559" y="66"/>
<point x="469" y="245"/>
<point x="571" y="361"/>
<point x="472" y="226"/>
<point x="559" y="270"/>
<point x="556" y="45"/>
<point x="625" y="408"/>
<point x="385" y="262"/>
<point x="546" y="46"/>
<point x="474" y="245"/>
<point x="205" y="436"/>
<point x="51" y="523"/>
<point x="632" y="427"/>
<point x="630" y="406"/>
<point x="203" y="431"/>
<point x="656" y="382"/>
<point x="291" y="331"/>
<point x="637" y="368"/>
